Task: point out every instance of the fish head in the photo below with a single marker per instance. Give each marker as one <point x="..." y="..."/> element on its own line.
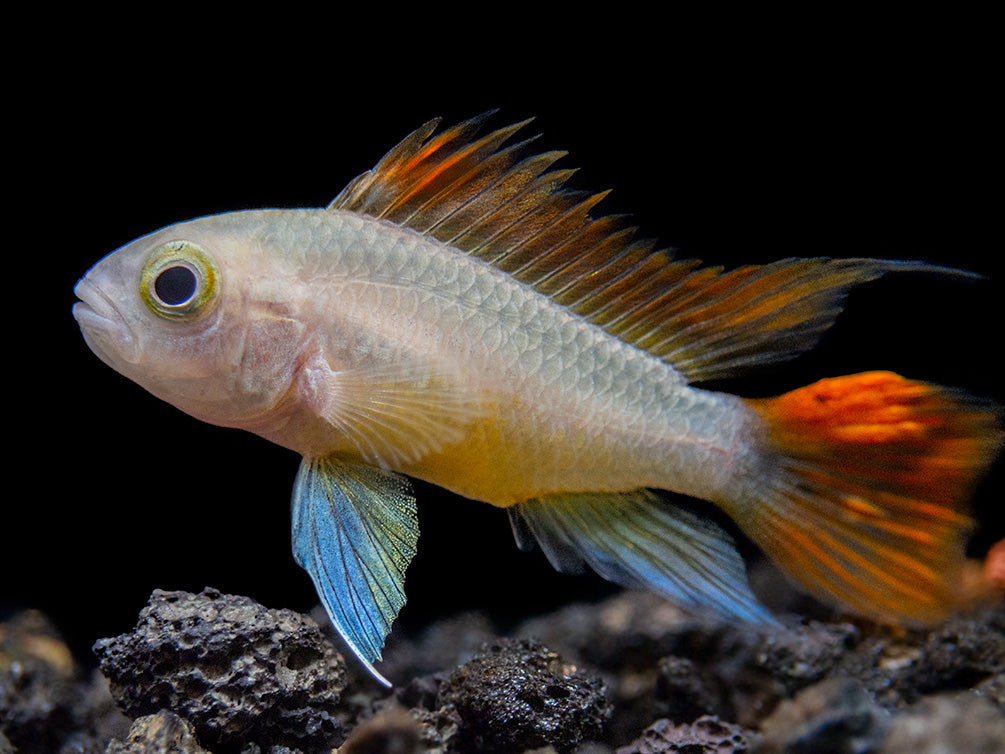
<point x="172" y="311"/>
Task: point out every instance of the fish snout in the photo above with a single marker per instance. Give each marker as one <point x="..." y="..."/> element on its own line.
<point x="103" y="326"/>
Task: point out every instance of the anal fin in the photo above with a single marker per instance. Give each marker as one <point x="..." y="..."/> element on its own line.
<point x="355" y="531"/>
<point x="637" y="539"/>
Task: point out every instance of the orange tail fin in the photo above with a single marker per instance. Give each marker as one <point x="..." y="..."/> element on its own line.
<point x="865" y="497"/>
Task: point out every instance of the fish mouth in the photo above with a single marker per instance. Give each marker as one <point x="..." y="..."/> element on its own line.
<point x="104" y="328"/>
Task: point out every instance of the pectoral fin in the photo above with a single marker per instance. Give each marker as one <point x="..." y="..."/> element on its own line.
<point x="636" y="539"/>
<point x="355" y="530"/>
<point x="394" y="414"/>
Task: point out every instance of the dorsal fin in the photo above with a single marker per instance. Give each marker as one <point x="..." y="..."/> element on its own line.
<point x="507" y="206"/>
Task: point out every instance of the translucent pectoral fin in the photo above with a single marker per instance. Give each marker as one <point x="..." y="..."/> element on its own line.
<point x="355" y="531"/>
<point x="393" y="414"/>
<point x="636" y="539"/>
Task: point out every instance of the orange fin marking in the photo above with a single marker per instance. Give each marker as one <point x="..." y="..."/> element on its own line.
<point x="819" y="555"/>
<point x="867" y="478"/>
<point x="819" y="564"/>
<point x="857" y="574"/>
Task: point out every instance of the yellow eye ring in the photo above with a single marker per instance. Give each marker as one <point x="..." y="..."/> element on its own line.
<point x="179" y="281"/>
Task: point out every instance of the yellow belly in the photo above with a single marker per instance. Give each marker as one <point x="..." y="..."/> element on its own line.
<point x="497" y="463"/>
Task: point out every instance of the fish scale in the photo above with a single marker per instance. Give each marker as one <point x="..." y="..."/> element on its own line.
<point x="457" y="315"/>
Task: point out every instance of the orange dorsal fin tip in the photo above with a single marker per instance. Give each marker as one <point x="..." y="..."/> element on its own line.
<point x="410" y="169"/>
<point x="509" y="207"/>
<point x="864" y="496"/>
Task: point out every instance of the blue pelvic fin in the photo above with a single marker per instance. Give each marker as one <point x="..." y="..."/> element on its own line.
<point x="637" y="539"/>
<point x="355" y="531"/>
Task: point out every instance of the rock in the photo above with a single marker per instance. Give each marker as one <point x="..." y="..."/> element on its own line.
<point x="442" y="646"/>
<point x="44" y="705"/>
<point x="390" y="732"/>
<point x="162" y="733"/>
<point x="798" y="657"/>
<point x="835" y="716"/>
<point x="993" y="689"/>
<point x="629" y="629"/>
<point x="519" y="695"/>
<point x="255" y="681"/>
<point x="590" y="747"/>
<point x="625" y="637"/>
<point x="238" y="672"/>
<point x="37" y="675"/>
<point x="687" y="691"/>
<point x="957" y="655"/>
<point x="438" y="725"/>
<point x="963" y="722"/>
<point x="706" y="735"/>
<point x="735" y="670"/>
<point x="759" y="671"/>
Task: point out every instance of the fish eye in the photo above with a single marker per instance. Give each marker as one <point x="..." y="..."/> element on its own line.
<point x="175" y="285"/>
<point x="179" y="281"/>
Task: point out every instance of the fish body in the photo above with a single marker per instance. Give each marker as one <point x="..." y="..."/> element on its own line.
<point x="457" y="316"/>
<point x="334" y="311"/>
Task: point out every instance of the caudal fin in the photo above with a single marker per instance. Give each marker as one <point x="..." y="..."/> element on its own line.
<point x="864" y="489"/>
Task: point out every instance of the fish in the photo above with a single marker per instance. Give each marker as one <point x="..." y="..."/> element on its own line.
<point x="459" y="314"/>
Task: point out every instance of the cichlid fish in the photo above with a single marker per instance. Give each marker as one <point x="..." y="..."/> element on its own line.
<point x="458" y="315"/>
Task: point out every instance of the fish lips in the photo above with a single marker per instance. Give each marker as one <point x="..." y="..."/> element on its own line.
<point x="105" y="330"/>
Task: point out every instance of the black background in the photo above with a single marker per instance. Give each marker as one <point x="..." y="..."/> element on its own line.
<point x="736" y="143"/>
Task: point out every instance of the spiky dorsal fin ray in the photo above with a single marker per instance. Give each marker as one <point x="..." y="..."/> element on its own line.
<point x="510" y="207"/>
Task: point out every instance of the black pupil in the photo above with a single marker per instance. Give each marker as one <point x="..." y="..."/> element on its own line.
<point x="175" y="285"/>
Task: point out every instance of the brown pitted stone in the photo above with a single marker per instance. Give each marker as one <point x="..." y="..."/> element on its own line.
<point x="162" y="732"/>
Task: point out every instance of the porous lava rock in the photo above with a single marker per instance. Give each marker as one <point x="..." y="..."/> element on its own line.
<point x="238" y="672"/>
<point x="706" y="735"/>
<point x="517" y="695"/>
